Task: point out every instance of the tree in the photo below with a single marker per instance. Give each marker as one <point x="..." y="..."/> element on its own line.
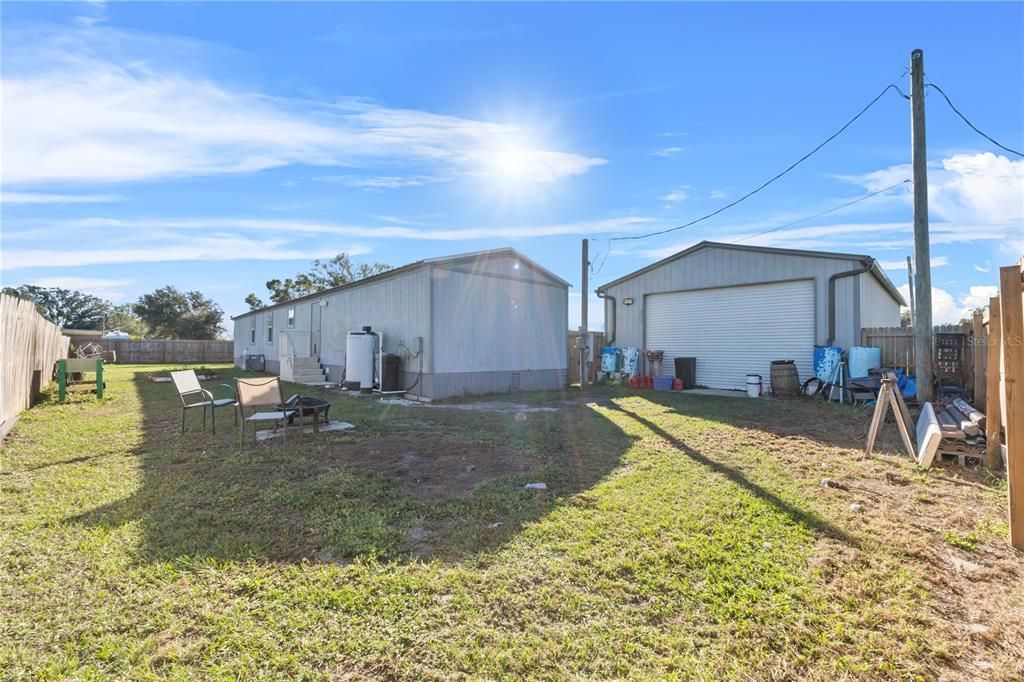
<point x="123" y="318"/>
<point x="905" y="317"/>
<point x="173" y="314"/>
<point x="254" y="302"/>
<point x="64" y="307"/>
<point x="323" y="275"/>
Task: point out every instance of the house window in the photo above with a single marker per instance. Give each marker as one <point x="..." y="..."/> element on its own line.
<point x="291" y="317"/>
<point x="270" y="329"/>
<point x="252" y="332"/>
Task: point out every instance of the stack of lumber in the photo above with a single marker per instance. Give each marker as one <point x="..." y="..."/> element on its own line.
<point x="963" y="431"/>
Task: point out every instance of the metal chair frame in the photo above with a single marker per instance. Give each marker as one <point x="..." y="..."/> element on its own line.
<point x="187" y="384"/>
<point x="267" y="392"/>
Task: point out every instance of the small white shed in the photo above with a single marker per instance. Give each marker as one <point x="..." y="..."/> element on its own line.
<point x="737" y="308"/>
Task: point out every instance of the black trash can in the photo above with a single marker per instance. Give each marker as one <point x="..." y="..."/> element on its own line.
<point x="686" y="369"/>
<point x="392" y="364"/>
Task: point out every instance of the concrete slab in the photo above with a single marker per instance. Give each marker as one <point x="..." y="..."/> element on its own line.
<point x="267" y="434"/>
<point x="717" y="393"/>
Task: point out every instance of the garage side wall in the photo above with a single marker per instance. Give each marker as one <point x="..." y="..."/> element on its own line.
<point x="877" y="307"/>
<point x="712" y="267"/>
<point x="496" y="332"/>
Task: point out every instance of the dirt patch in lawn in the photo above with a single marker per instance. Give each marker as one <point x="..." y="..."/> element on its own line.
<point x="429" y="467"/>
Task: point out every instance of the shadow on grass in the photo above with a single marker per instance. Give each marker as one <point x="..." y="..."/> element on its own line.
<point x="407" y="483"/>
<point x="738" y="478"/>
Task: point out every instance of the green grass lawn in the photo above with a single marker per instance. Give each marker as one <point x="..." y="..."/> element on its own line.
<point x="680" y="536"/>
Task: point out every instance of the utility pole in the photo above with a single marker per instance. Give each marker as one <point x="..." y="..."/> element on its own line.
<point x="922" y="250"/>
<point x="910" y="288"/>
<point x="584" y="296"/>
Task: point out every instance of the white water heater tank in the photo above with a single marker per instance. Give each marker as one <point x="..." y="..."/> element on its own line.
<point x="360" y="351"/>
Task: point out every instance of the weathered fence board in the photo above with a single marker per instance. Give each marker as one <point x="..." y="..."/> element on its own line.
<point x="164" y="351"/>
<point x="897" y="346"/>
<point x="30" y="345"/>
<point x="573" y="355"/>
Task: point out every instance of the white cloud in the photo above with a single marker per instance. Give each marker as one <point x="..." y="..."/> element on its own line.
<point x="206" y="248"/>
<point x="717" y="194"/>
<point x="970" y="197"/>
<point x="672" y="134"/>
<point x="978" y="297"/>
<point x="41" y="198"/>
<point x="382" y="181"/>
<point x="987" y="267"/>
<point x="678" y="194"/>
<point x="112" y="226"/>
<point x="947" y="309"/>
<point x="104" y="288"/>
<point x="668" y="151"/>
<point x="901" y="265"/>
<point x="108" y="106"/>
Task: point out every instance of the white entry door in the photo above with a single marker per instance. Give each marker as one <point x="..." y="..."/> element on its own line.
<point x="735" y="331"/>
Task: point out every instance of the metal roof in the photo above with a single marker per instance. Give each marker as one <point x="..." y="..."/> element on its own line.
<point x="876" y="270"/>
<point x="411" y="267"/>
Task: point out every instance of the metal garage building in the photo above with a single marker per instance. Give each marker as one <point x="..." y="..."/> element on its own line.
<point x="737" y="308"/>
<point x="483" y="322"/>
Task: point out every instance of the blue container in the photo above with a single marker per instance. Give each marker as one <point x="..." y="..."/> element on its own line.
<point x="630" y="360"/>
<point x="610" y="359"/>
<point x="663" y="383"/>
<point x="826" y="360"/>
<point x="863" y="359"/>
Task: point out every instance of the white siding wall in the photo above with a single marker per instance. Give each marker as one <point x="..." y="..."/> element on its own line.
<point x="877" y="307"/>
<point x="398" y="307"/>
<point x="487" y="323"/>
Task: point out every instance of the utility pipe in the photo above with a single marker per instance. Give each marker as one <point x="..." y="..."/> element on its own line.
<point x="868" y="264"/>
<point x="609" y="340"/>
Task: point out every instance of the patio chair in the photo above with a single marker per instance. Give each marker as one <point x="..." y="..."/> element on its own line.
<point x="261" y="392"/>
<point x="189" y="389"/>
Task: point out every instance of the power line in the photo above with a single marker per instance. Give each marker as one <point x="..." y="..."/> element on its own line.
<point x="773" y="179"/>
<point x="972" y="126"/>
<point x="831" y="210"/>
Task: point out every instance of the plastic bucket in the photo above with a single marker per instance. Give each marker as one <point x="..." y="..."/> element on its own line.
<point x="753" y="385"/>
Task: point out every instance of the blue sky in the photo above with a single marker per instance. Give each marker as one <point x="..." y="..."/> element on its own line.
<point x="215" y="146"/>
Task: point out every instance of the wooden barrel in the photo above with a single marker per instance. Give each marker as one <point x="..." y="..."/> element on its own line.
<point x="785" y="380"/>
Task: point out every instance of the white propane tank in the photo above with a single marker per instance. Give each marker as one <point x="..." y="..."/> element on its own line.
<point x="360" y="350"/>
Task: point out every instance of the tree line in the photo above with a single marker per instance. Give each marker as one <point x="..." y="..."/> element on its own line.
<point x="169" y="313"/>
<point x="166" y="313"/>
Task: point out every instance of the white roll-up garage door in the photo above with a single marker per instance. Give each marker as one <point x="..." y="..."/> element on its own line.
<point x="734" y="331"/>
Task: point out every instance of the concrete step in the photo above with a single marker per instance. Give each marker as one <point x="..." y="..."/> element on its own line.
<point x="306" y="362"/>
<point x="303" y="377"/>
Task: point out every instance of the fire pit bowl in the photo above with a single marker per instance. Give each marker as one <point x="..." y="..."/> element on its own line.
<point x="306" y="406"/>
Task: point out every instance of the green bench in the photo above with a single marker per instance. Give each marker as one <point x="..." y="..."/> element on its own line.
<point x="69" y="366"/>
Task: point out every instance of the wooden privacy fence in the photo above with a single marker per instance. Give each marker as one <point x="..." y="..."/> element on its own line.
<point x="30" y="345"/>
<point x="1002" y="338"/>
<point x="597" y="341"/>
<point x="169" y="351"/>
<point x="897" y="346"/>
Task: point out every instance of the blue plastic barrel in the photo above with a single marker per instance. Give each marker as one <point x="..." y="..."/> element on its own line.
<point x="610" y="359"/>
<point x="631" y="360"/>
<point x="826" y="360"/>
